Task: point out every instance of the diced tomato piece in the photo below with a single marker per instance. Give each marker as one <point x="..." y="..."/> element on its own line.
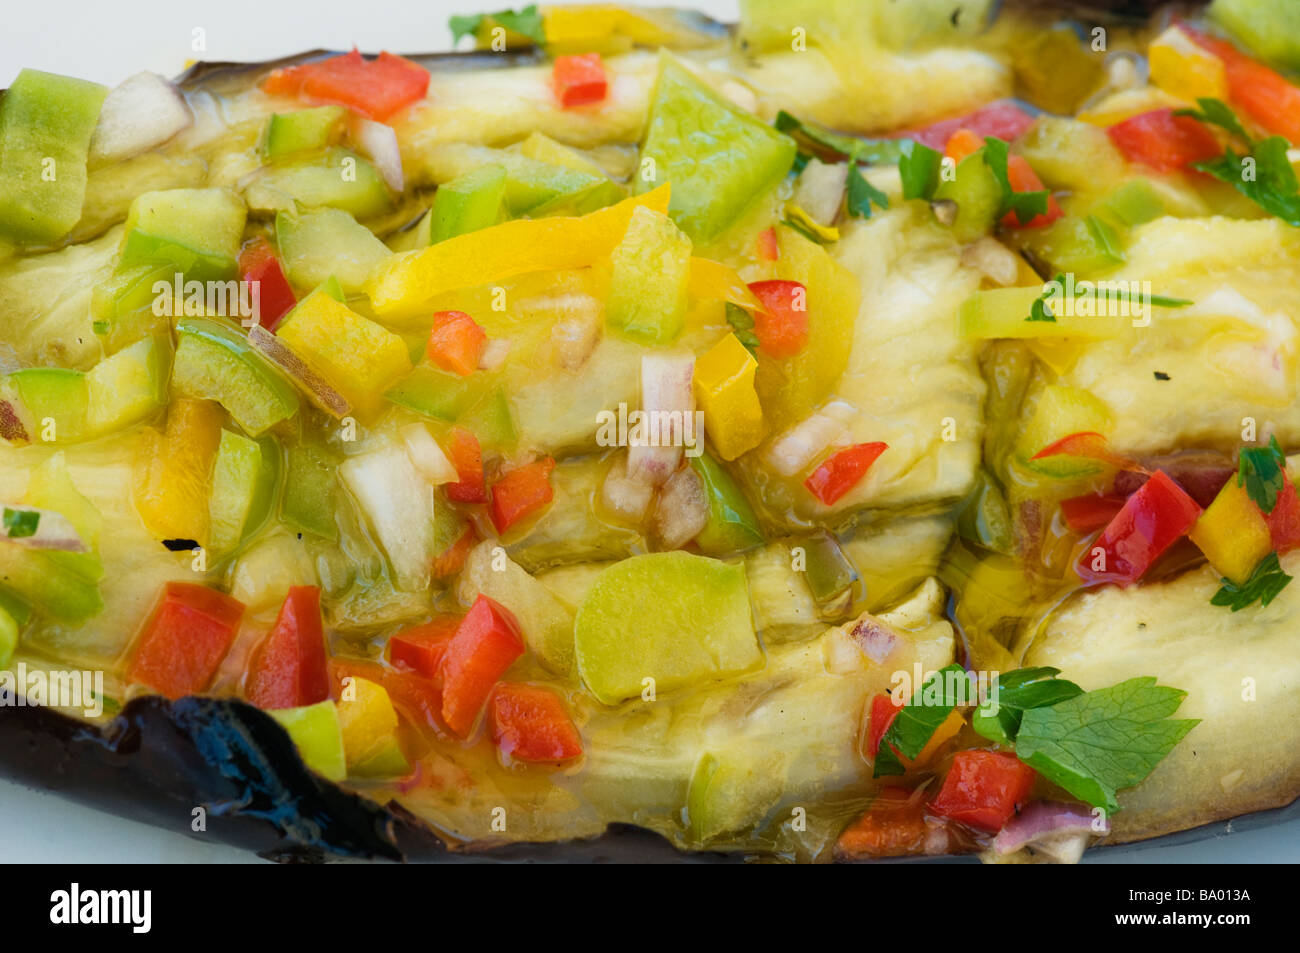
<point x="782" y="324"/>
<point x="186" y="637"/>
<point x="289" y="668"/>
<point x="449" y="563"/>
<point x="1284" y="521"/>
<point x="259" y="266"/>
<point x="456" y="342"/>
<point x="1164" y="141"/>
<point x="961" y="144"/>
<point x="767" y="246"/>
<point x="1024" y="179"/>
<point x="530" y="723"/>
<point x="842" y="470"/>
<point x="376" y="88"/>
<point x="467" y="457"/>
<point x="416" y="698"/>
<point x="1002" y="120"/>
<point x="579" y="80"/>
<point x="883" y="713"/>
<point x="1151" y="521"/>
<point x="421" y="647"/>
<point x="521" y="492"/>
<point x="894" y="826"/>
<point x="1263" y="94"/>
<point x="486" y="643"/>
<point x="983" y="789"/>
<point x="1083" y="514"/>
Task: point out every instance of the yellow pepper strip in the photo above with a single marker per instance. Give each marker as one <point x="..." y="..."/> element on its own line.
<point x="368" y="722"/>
<point x="823" y="233"/>
<point x="405" y="286"/>
<point x="724" y="386"/>
<point x="1180" y="66"/>
<point x="359" y="358"/>
<point x="606" y="28"/>
<point x="1232" y="533"/>
<point x="713" y="281"/>
<point x="947" y="729"/>
<point x="173" y="471"/>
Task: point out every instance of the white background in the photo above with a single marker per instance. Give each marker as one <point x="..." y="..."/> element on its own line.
<point x="108" y="40"/>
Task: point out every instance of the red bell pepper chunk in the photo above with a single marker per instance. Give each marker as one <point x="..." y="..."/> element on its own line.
<point x="187" y="635"/>
<point x="782" y="324"/>
<point x="259" y="267"/>
<point x="421" y="647"/>
<point x="983" y="789"/>
<point x="289" y="668"/>
<point x="1003" y="120"/>
<point x="416" y="698"/>
<point x="1083" y="514"/>
<point x="841" y="471"/>
<point x="376" y="88"/>
<point x="486" y="643"/>
<point x="767" y="246"/>
<point x="883" y="713"/>
<point x="1151" y="521"/>
<point x="1263" y="94"/>
<point x="1284" y="521"/>
<point x="579" y="80"/>
<point x="530" y="723"/>
<point x="1164" y="141"/>
<point x="467" y="457"/>
<point x="451" y="561"/>
<point x="456" y="342"/>
<point x="894" y="826"/>
<point x="1087" y="443"/>
<point x="961" y="144"/>
<point x="520" y="493"/>
<point x="1024" y="179"/>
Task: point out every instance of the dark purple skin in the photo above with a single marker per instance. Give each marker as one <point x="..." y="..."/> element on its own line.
<point x="1201" y="473"/>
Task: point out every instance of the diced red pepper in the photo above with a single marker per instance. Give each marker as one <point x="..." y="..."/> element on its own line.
<point x="187" y="635"/>
<point x="1086" y="443"/>
<point x="486" y="643"/>
<point x="1164" y="141"/>
<point x="376" y="88"/>
<point x="579" y="80"/>
<point x="530" y="723"/>
<point x="467" y="457"/>
<point x="1284" y="521"/>
<point x="1263" y="94"/>
<point x="421" y="647"/>
<point x="449" y="563"/>
<point x="894" y="826"/>
<point x="289" y="668"/>
<point x="416" y="698"/>
<point x="1151" y="521"/>
<point x="521" y="492"/>
<point x="259" y="266"/>
<point x="767" y="246"/>
<point x="1003" y="120"/>
<point x="883" y="713"/>
<point x="842" y="470"/>
<point x="1024" y="179"/>
<point x="1083" y="514"/>
<point x="782" y="324"/>
<point x="961" y="144"/>
<point x="983" y="789"/>
<point x="456" y="342"/>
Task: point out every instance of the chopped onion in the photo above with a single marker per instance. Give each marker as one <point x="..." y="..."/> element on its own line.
<point x="626" y="498"/>
<point x="494" y="354"/>
<point x="667" y="402"/>
<point x="398" y="504"/>
<point x="795" y="449"/>
<point x="992" y="259"/>
<point x="820" y="190"/>
<point x="427" y="456"/>
<point x="379" y="142"/>
<point x="681" y="511"/>
<point x="1052" y="828"/>
<point x="144" y="111"/>
<point x="876" y="640"/>
<point x="40" y="529"/>
<point x="312" y="384"/>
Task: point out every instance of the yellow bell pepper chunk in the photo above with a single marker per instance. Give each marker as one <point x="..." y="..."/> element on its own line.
<point x="368" y="722"/>
<point x="357" y="357"/>
<point x="1181" y="67"/>
<point x="724" y="386"/>
<point x="1232" y="533"/>
<point x="606" y="28"/>
<point x="713" y="281"/>
<point x="406" y="285"/>
<point x="173" y="471"/>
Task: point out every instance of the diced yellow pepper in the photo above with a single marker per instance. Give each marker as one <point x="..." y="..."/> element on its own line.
<point x="714" y="281"/>
<point x="405" y="285"/>
<point x="358" y="357"/>
<point x="173" y="471"/>
<point x="368" y="722"/>
<point x="724" y="386"/>
<point x="543" y="148"/>
<point x="1182" y="67"/>
<point x="1232" y="533"/>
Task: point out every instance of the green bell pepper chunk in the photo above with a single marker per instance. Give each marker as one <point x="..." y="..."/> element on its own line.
<point x="62" y="592"/>
<point x="732" y="527"/>
<point x="830" y="575"/>
<point x="216" y="362"/>
<point x="194" y="231"/>
<point x="310" y="481"/>
<point x="338" y="178"/>
<point x="491" y="420"/>
<point x="234" y="485"/>
<point x="649" y="274"/>
<point x="977" y="194"/>
<point x="467" y="203"/>
<point x="316" y="731"/>
<point x="319" y="244"/>
<point x="302" y="130"/>
<point x="435" y="393"/>
<point x="52" y="395"/>
<point x="8" y="637"/>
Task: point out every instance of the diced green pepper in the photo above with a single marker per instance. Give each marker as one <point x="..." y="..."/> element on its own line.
<point x="467" y="203"/>
<point x="318" y="244"/>
<point x="732" y="526"/>
<point x="55" y="589"/>
<point x="234" y="484"/>
<point x="435" y="393"/>
<point x="52" y="395"/>
<point x="649" y="273"/>
<point x="830" y="574"/>
<point x="216" y="362"/>
<point x="338" y="178"/>
<point x="194" y="231"/>
<point x="490" y="419"/>
<point x="1133" y="203"/>
<point x="302" y="130"/>
<point x="978" y="196"/>
<point x="8" y="637"/>
<point x="316" y="731"/>
<point x="984" y="517"/>
<point x="310" y="481"/>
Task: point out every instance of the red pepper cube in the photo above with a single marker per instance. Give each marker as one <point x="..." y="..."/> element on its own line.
<point x="1083" y="514"/>
<point x="579" y="80"/>
<point x="421" y="648"/>
<point x="452" y="560"/>
<point x="289" y="668"/>
<point x="260" y="268"/>
<point x="883" y="713"/>
<point x="1024" y="179"/>
<point x="983" y="789"/>
<point x="842" y="470"/>
<point x="1163" y="141"/>
<point x="1263" y="94"/>
<point x="187" y="635"/>
<point x="520" y="493"/>
<point x="1284" y="521"/>
<point x="456" y="342"/>
<point x="782" y="325"/>
<point x="530" y="723"/>
<point x="486" y="643"/>
<point x="467" y="457"/>
<point x="375" y="88"/>
<point x="893" y="826"/>
<point x="1151" y="521"/>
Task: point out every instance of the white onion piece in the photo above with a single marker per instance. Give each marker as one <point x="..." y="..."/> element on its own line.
<point x="427" y="456"/>
<point x="992" y="259"/>
<point x="144" y="111"/>
<point x="625" y="498"/>
<point x="309" y="382"/>
<point x="791" y="452"/>
<point x="876" y="640"/>
<point x="820" y="190"/>
<point x="494" y="354"/>
<point x="681" y="511"/>
<point x="379" y="142"/>
<point x="52" y="530"/>
<point x="666" y="400"/>
<point x="398" y="504"/>
<point x="1059" y="830"/>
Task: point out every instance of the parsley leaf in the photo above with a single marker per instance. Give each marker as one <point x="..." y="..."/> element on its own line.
<point x="1013" y="694"/>
<point x="1215" y="112"/>
<point x="1025" y="204"/>
<point x="1262" y="470"/>
<point x="918" y="720"/>
<point x="1264" y="176"/>
<point x="1096" y="743"/>
<point x="862" y="193"/>
<point x="918" y="167"/>
<point x="824" y="144"/>
<point x="1106" y="238"/>
<point x="526" y="22"/>
<point x="19" y="524"/>
<point x="1265" y="582"/>
<point x="743" y="324"/>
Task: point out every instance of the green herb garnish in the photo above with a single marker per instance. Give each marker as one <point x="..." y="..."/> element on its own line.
<point x="862" y="193"/>
<point x="1025" y="205"/>
<point x="526" y="22"/>
<point x="19" y="524"/>
<point x="743" y="324"/>
<point x="1263" y="174"/>
<point x="1262" y="471"/>
<point x="918" y="167"/>
<point x="1215" y="112"/>
<point x="1106" y="238"/>
<point x="917" y="721"/>
<point x="817" y="141"/>
<point x="1265" y="582"/>
<point x="1016" y="692"/>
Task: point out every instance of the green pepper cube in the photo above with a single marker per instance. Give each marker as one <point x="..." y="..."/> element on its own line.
<point x="216" y="362"/>
<point x="55" y="401"/>
<point x="467" y="203"/>
<point x="649" y="273"/>
<point x="732" y="526"/>
<point x="338" y="178"/>
<point x="302" y="130"/>
<point x="316" y="731"/>
<point x="311" y="476"/>
<point x="195" y="231"/>
<point x="235" y="477"/>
